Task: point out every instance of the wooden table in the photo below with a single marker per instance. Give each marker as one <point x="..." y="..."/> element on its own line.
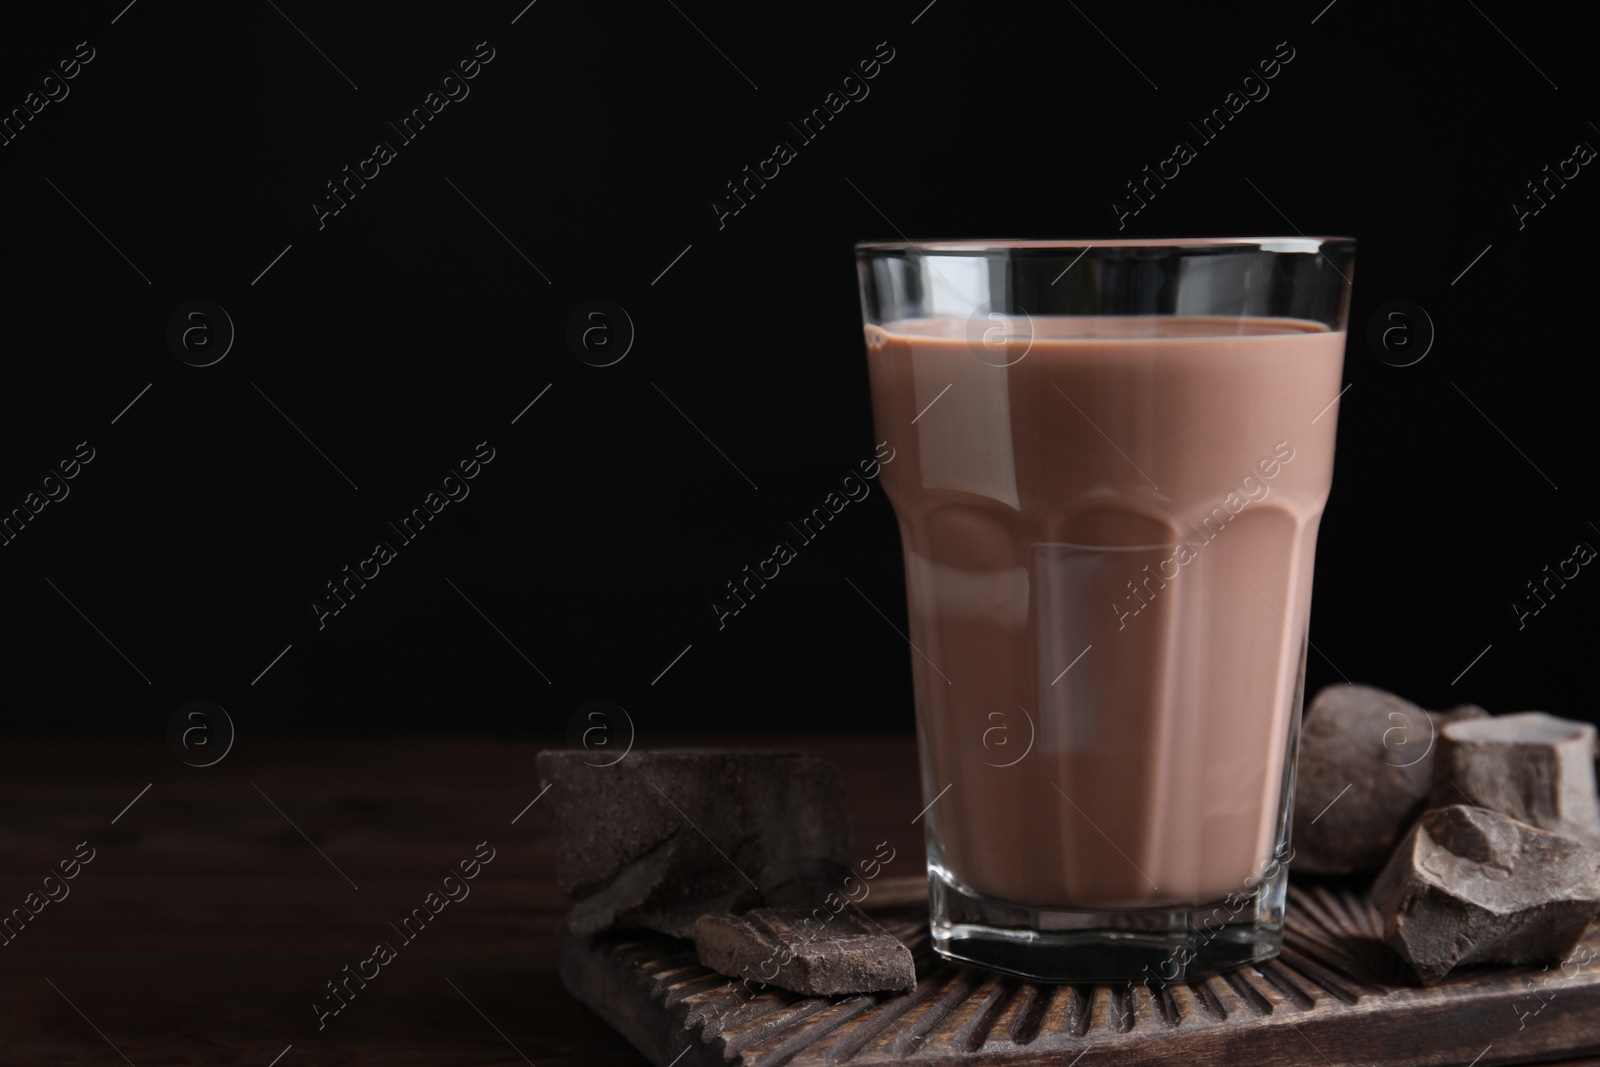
<point x="207" y="923"/>
<point x="219" y="904"/>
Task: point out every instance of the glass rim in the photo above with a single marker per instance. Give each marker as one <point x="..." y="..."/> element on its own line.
<point x="960" y="246"/>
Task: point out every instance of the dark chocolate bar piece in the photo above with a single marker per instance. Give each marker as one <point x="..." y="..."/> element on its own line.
<point x="1531" y="766"/>
<point x="659" y="838"/>
<point x="817" y="952"/>
<point x="1365" y="766"/>
<point x="1475" y="886"/>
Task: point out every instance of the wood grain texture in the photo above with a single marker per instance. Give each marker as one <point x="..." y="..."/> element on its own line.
<point x="206" y="923"/>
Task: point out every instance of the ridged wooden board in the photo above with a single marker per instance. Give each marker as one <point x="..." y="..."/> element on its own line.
<point x="1336" y="996"/>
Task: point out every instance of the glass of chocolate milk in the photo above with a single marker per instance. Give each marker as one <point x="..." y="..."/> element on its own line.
<point x="1110" y="460"/>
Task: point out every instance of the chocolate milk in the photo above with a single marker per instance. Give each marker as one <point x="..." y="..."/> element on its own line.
<point x="1108" y="548"/>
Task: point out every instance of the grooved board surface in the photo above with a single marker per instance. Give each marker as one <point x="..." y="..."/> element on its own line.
<point x="1336" y="996"/>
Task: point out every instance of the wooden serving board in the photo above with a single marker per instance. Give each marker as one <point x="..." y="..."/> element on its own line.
<point x="1336" y="996"/>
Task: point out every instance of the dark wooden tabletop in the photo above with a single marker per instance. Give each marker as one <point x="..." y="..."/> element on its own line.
<point x="220" y="901"/>
<point x="219" y="905"/>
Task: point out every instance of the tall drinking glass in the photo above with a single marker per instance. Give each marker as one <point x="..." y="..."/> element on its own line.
<point x="1110" y="462"/>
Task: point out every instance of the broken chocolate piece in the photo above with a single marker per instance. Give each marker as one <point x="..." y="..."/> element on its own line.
<point x="1530" y="766"/>
<point x="1475" y="886"/>
<point x="1364" y="768"/>
<point x="660" y="838"/>
<point x="817" y="952"/>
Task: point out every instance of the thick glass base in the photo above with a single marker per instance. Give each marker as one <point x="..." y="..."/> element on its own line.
<point x="1165" y="944"/>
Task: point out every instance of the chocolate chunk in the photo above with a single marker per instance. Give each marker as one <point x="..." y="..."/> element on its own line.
<point x="1475" y="886"/>
<point x="817" y="952"/>
<point x="1530" y="766"/>
<point x="660" y="838"/>
<point x="1365" y="764"/>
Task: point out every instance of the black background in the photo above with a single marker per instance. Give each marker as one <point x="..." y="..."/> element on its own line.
<point x="408" y="329"/>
